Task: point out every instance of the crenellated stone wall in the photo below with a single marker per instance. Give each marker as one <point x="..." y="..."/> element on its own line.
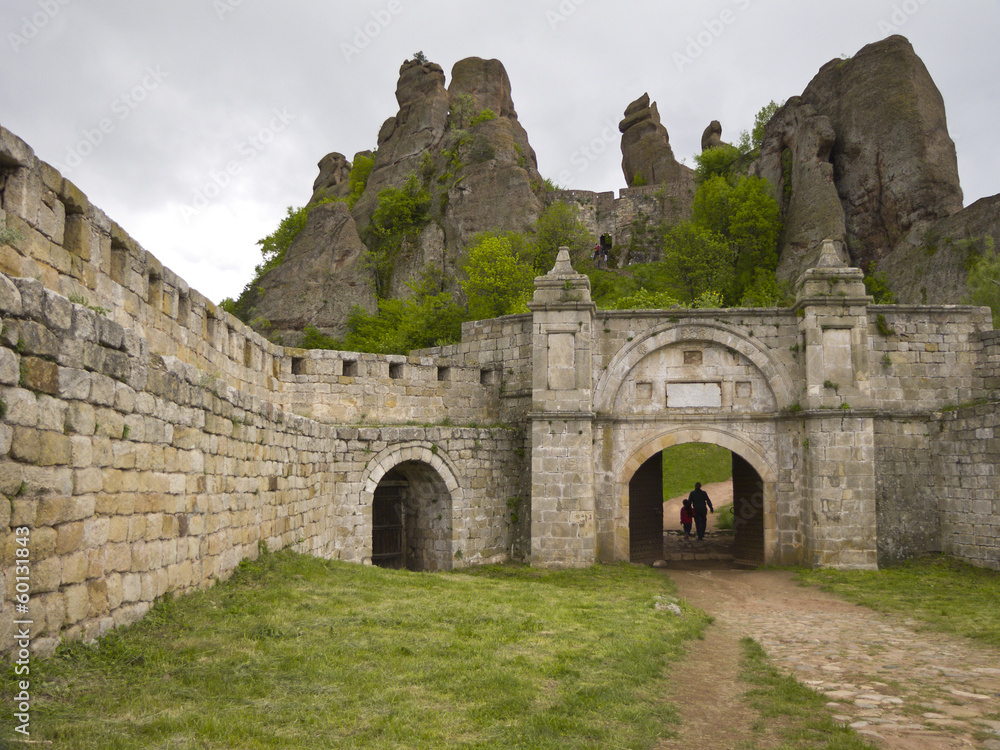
<point x="149" y="441"/>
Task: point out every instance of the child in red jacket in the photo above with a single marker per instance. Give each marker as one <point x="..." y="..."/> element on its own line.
<point x="687" y="518"/>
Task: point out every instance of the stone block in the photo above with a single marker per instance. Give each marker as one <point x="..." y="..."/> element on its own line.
<point x="74" y="567"/>
<point x="69" y="537"/>
<point x="80" y="419"/>
<point x="10" y="297"/>
<point x="110" y="333"/>
<point x="58" y="311"/>
<point x="40" y="375"/>
<point x="32" y="298"/>
<point x="10" y="371"/>
<point x="55" y="449"/>
<point x="77" y="603"/>
<point x="73" y="384"/>
<point x="46" y="575"/>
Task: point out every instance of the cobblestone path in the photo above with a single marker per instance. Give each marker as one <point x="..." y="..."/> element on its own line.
<point x="899" y="686"/>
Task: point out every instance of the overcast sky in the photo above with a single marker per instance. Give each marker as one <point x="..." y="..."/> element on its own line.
<point x="195" y="123"/>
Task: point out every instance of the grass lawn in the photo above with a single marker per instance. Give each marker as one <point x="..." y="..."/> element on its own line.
<point x="685" y="464"/>
<point x="945" y="594"/>
<point x="298" y="652"/>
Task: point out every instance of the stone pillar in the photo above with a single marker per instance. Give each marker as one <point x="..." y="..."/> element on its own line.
<point x="563" y="531"/>
<point x="839" y="515"/>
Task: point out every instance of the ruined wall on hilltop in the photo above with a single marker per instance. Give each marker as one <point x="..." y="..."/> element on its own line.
<point x="631" y="219"/>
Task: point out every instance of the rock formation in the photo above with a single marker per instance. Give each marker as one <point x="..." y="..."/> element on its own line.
<point x="863" y="156"/>
<point x="469" y="152"/>
<point x="795" y="158"/>
<point x="646" y="154"/>
<point x="332" y="182"/>
<point x="712" y="136"/>
<point x="894" y="162"/>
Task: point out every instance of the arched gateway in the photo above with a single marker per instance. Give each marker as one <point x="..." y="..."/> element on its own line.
<point x="786" y="390"/>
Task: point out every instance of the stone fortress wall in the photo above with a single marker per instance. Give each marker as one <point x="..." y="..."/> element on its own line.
<point x="602" y="213"/>
<point x="150" y="441"/>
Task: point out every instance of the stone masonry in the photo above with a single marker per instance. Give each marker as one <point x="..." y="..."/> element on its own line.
<point x="149" y="441"/>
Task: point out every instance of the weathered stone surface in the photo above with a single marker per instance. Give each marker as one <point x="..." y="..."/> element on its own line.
<point x="481" y="174"/>
<point x="931" y="265"/>
<point x="417" y="127"/>
<point x="712" y="136"/>
<point x="894" y="163"/>
<point x="646" y="154"/>
<point x="332" y="181"/>
<point x="795" y="158"/>
<point x="321" y="278"/>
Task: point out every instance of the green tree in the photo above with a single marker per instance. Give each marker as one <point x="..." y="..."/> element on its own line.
<point x="720" y="161"/>
<point x="983" y="281"/>
<point x="745" y="216"/>
<point x="750" y="141"/>
<point x="496" y="279"/>
<point x="696" y="260"/>
<point x="558" y="227"/>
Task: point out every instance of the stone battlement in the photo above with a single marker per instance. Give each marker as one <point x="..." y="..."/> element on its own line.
<point x="149" y="441"/>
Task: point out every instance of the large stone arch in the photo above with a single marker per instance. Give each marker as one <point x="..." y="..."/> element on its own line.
<point x="645" y="446"/>
<point x="618" y="369"/>
<point x="423" y="462"/>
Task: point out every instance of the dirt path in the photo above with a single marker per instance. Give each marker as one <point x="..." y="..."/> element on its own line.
<point x="904" y="689"/>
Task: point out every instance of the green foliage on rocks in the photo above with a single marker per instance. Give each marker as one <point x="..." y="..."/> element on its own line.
<point x="983" y="281"/>
<point x="398" y="217"/>
<point x="361" y="169"/>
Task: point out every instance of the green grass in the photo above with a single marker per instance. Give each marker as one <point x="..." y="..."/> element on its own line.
<point x="685" y="464"/>
<point x="724" y="517"/>
<point x="298" y="652"/>
<point x="945" y="594"/>
<point x="790" y="710"/>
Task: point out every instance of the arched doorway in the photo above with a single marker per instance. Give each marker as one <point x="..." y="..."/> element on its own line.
<point x="410" y="494"/>
<point x="753" y="489"/>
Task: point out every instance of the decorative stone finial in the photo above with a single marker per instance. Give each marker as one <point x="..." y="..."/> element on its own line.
<point x="829" y="256"/>
<point x="563" y="267"/>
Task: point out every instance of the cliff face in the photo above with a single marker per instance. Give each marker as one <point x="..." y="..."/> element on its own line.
<point x="862" y="157"/>
<point x="469" y="153"/>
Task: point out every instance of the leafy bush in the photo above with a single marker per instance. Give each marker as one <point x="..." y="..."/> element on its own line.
<point x="399" y="215"/>
<point x="484" y="115"/>
<point x="496" y="278"/>
<point x="558" y="227"/>
<point x="724" y="517"/>
<point x="716" y="162"/>
<point x="983" y="281"/>
<point x="361" y="169"/>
